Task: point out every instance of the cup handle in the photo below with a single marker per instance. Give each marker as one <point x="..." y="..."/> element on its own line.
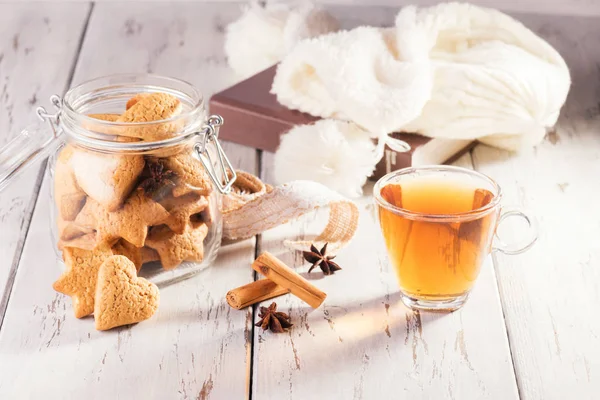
<point x="525" y="244"/>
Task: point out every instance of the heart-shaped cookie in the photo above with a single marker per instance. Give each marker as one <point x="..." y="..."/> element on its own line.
<point x="122" y="298"/>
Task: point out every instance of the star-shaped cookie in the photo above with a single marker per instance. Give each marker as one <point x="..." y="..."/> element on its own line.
<point x="181" y="208"/>
<point x="173" y="249"/>
<point x="134" y="254"/>
<point x="79" y="279"/>
<point x="130" y="222"/>
<point x="149" y="255"/>
<point x="191" y="175"/>
<point x="68" y="230"/>
<point x="85" y="242"/>
<point x="205" y="216"/>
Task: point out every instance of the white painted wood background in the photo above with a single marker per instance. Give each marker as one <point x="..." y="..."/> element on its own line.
<point x="530" y="330"/>
<point x="552" y="7"/>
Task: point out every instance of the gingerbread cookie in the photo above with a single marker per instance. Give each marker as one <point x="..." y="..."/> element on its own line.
<point x="108" y="179"/>
<point x="191" y="175"/>
<point x="173" y="249"/>
<point x="131" y="102"/>
<point x="181" y="208"/>
<point x="149" y="255"/>
<point x="148" y="108"/>
<point x="89" y="215"/>
<point x="85" y="242"/>
<point x="205" y="216"/>
<point x="108" y="129"/>
<point x="79" y="280"/>
<point x="126" y="139"/>
<point x="121" y="297"/>
<point x="96" y="125"/>
<point x="68" y="230"/>
<point x="67" y="193"/>
<point x="134" y="254"/>
<point x="130" y="222"/>
<point x="105" y="117"/>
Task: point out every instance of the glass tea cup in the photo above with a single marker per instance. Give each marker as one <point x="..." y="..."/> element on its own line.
<point x="439" y="224"/>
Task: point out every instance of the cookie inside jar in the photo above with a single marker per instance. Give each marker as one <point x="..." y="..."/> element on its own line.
<point x="127" y="182"/>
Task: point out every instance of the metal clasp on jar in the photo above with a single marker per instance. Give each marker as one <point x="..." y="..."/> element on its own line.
<point x="43" y="115"/>
<point x="211" y="135"/>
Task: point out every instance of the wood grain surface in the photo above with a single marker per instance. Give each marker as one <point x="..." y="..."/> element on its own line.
<point x="39" y="44"/>
<point x="196" y="346"/>
<point x="530" y="329"/>
<point x="551" y="294"/>
<point x="364" y="343"/>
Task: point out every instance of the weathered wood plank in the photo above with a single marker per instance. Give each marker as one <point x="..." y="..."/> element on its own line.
<point x="46" y="352"/>
<point x="362" y="343"/>
<point x="184" y="41"/>
<point x="554" y="7"/>
<point x="196" y="346"/>
<point x="551" y="294"/>
<point x="38" y="45"/>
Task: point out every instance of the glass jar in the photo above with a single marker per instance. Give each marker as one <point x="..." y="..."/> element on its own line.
<point x="136" y="170"/>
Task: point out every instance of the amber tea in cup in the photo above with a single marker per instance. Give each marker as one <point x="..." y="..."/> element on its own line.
<point x="438" y="224"/>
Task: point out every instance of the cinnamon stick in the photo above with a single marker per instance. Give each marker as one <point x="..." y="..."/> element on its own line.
<point x="275" y="270"/>
<point x="254" y="292"/>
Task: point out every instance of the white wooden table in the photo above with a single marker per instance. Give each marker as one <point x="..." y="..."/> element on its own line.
<point x="530" y="330"/>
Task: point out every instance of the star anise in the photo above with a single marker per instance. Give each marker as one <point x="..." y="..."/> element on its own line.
<point x="271" y="319"/>
<point x="159" y="181"/>
<point x="321" y="259"/>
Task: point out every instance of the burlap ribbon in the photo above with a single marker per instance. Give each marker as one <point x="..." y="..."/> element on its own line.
<point x="253" y="207"/>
